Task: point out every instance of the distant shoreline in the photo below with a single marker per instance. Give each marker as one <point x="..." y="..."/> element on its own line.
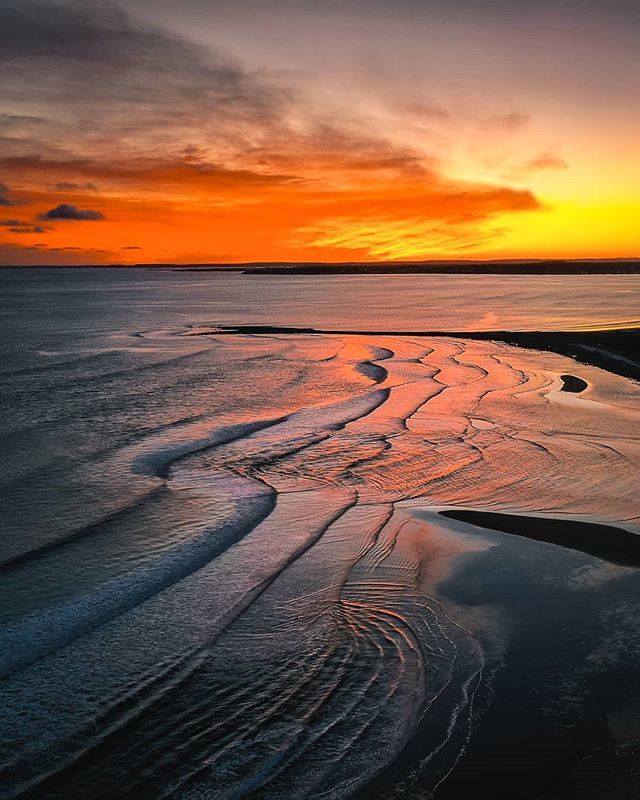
<point x="620" y="266"/>
<point x="554" y="267"/>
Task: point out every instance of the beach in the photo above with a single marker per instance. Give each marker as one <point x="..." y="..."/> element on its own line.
<point x="293" y="556"/>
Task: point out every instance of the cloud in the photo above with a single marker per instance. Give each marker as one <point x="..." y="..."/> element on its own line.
<point x="12" y="254"/>
<point x="5" y="200"/>
<point x="147" y="173"/>
<point x="514" y="121"/>
<point x="116" y="91"/>
<point x="19" y="226"/>
<point x="103" y="81"/>
<point x="67" y="186"/>
<point x="424" y="112"/>
<point x="546" y="162"/>
<point x="174" y="130"/>
<point x="70" y="212"/>
<point x="420" y="222"/>
<point x="131" y="247"/>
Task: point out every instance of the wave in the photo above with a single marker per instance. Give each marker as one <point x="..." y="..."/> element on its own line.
<point x="31" y="638"/>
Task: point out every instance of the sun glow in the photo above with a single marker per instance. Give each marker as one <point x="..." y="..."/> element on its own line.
<point x="313" y="158"/>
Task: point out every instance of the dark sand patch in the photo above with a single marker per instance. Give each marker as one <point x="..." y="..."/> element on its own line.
<point x="607" y="542"/>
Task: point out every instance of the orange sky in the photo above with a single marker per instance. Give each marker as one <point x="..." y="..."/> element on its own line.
<point x="153" y="136"/>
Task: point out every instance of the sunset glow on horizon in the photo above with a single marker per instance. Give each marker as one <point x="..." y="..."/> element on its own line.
<point x="153" y="132"/>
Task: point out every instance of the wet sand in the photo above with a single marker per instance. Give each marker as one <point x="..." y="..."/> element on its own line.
<point x="612" y="350"/>
<point x="280" y="621"/>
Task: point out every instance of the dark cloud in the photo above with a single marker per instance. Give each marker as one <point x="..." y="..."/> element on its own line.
<point x="131" y="247"/>
<point x="67" y="186"/>
<point x="70" y="212"/>
<point x="5" y="200"/>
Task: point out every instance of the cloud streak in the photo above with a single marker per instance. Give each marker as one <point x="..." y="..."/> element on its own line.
<point x="20" y="226"/>
<point x="69" y="186"/>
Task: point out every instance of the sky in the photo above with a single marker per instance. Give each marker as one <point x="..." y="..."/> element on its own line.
<point x="156" y="131"/>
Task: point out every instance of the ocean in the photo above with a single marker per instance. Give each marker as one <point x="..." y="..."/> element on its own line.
<point x="296" y="565"/>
